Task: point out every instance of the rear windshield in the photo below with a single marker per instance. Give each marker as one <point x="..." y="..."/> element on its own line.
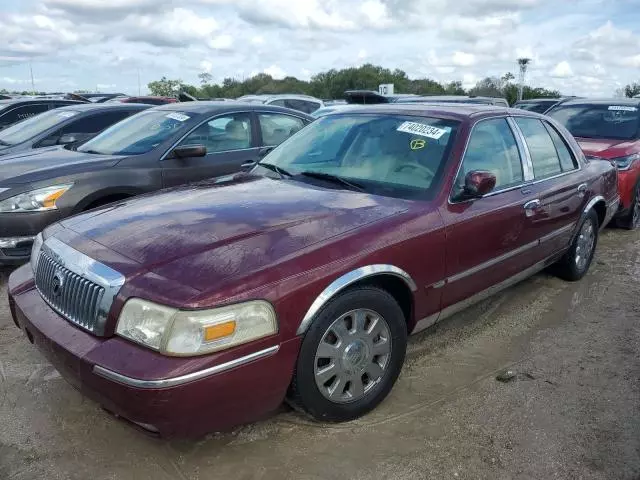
<point x="538" y="107"/>
<point x="32" y="126"/>
<point x="619" y="122"/>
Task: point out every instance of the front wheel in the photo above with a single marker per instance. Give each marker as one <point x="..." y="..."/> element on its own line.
<point x="575" y="263"/>
<point x="351" y="356"/>
<point x="631" y="221"/>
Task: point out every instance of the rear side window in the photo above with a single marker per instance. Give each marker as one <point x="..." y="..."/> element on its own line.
<point x="276" y="128"/>
<point x="544" y="156"/>
<point x="492" y="147"/>
<point x="567" y="162"/>
<point x="302" y="105"/>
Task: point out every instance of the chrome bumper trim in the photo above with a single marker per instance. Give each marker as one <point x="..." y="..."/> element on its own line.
<point x="190" y="377"/>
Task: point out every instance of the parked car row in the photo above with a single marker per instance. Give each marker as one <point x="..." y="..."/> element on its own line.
<point x="208" y="303"/>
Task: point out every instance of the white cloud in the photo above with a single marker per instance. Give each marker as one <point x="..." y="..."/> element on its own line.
<point x="206" y="66"/>
<point x="362" y="54"/>
<point x="562" y="70"/>
<point x="463" y="59"/>
<point x="275" y="71"/>
<point x="222" y="42"/>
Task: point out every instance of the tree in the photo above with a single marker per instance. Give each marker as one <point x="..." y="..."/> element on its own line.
<point x="632" y="90"/>
<point x="205" y="78"/>
<point x="165" y="87"/>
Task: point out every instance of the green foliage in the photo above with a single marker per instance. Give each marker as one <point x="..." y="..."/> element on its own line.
<point x="632" y="90"/>
<point x="333" y="83"/>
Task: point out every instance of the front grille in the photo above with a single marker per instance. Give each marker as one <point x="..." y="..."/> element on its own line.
<point x="71" y="295"/>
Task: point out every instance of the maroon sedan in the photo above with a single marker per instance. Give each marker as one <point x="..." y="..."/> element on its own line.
<point x="202" y="307"/>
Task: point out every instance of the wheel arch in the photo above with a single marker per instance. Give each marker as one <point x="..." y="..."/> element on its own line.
<point x="106" y="196"/>
<point x="392" y="279"/>
<point x="599" y="205"/>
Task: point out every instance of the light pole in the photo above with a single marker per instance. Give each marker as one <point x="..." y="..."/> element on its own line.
<point x="523" y="64"/>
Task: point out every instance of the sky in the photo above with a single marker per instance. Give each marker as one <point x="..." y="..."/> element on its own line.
<point x="580" y="47"/>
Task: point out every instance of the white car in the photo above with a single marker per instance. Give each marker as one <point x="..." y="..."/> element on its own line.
<point x="302" y="103"/>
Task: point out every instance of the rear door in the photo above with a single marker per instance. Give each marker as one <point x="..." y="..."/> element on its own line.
<point x="232" y="145"/>
<point x="487" y="238"/>
<point x="559" y="188"/>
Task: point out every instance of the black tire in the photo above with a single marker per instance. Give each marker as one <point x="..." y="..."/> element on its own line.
<point x="305" y="394"/>
<point x="568" y="268"/>
<point x="631" y="220"/>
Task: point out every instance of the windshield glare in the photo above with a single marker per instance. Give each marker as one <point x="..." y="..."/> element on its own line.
<point x="619" y="122"/>
<point x="32" y="126"/>
<point x="389" y="155"/>
<point x="137" y="134"/>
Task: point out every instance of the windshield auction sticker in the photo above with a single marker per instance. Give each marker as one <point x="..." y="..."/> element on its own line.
<point x="622" y="108"/>
<point x="181" y="117"/>
<point x="422" y="130"/>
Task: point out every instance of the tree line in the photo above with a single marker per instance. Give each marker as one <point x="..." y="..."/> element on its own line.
<point x="333" y="83"/>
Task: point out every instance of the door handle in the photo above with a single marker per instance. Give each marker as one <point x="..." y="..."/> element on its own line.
<point x="248" y="164"/>
<point x="531" y="207"/>
<point x="582" y="188"/>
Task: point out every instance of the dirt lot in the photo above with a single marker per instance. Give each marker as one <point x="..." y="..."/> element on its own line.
<point x="572" y="412"/>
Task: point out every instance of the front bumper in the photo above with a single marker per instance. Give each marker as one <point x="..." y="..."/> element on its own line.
<point x="23" y="225"/>
<point x="183" y="402"/>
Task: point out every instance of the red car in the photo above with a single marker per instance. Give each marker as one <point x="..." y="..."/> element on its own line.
<point x="201" y="307"/>
<point x="610" y="130"/>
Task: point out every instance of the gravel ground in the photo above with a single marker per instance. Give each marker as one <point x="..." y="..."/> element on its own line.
<point x="570" y="412"/>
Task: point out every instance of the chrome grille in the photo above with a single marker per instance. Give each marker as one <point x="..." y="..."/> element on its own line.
<point x="71" y="295"/>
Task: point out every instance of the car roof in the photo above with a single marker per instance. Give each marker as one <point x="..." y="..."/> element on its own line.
<point x="603" y="101"/>
<point x="275" y="96"/>
<point x="208" y="107"/>
<point x="458" y="111"/>
<point x="15" y="101"/>
<point x="82" y="107"/>
<point x="543" y="99"/>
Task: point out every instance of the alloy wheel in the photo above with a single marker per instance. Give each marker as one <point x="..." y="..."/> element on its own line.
<point x="352" y="356"/>
<point x="585" y="243"/>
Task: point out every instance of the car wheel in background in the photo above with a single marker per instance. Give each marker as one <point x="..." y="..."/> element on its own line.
<point x="631" y="221"/>
<point x="351" y="355"/>
<point x="575" y="263"/>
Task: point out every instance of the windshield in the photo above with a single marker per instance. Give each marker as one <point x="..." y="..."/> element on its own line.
<point x="618" y="122"/>
<point x="393" y="155"/>
<point x="137" y="134"/>
<point x="33" y="126"/>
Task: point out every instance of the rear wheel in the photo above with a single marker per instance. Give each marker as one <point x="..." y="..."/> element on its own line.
<point x="575" y="263"/>
<point x="351" y="356"/>
<point x="631" y="221"/>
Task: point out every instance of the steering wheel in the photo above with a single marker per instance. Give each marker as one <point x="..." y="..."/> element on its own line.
<point x="416" y="166"/>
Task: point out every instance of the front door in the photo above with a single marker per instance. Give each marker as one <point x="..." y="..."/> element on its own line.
<point x="232" y="146"/>
<point x="487" y="238"/>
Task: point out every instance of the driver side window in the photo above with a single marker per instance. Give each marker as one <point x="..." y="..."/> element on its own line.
<point x="492" y="147"/>
<point x="222" y="134"/>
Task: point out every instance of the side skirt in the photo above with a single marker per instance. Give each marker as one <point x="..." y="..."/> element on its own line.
<point x="484" y="294"/>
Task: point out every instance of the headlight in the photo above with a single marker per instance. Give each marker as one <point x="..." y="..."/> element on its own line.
<point x="35" y="200"/>
<point x="35" y="252"/>
<point x="186" y="333"/>
<point x="624" y="163"/>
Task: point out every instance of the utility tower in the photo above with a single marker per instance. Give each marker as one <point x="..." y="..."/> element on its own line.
<point x="523" y="64"/>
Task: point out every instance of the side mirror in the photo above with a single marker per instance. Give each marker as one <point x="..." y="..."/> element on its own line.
<point x="187" y="151"/>
<point x="478" y="183"/>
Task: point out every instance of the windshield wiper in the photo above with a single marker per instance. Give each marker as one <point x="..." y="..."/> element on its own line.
<point x="335" y="179"/>
<point x="3" y="143"/>
<point x="274" y="168"/>
<point x="93" y="152"/>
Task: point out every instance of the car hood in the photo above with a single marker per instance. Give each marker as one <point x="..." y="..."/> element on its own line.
<point x="43" y="163"/>
<point x="204" y="233"/>
<point x="608" y="148"/>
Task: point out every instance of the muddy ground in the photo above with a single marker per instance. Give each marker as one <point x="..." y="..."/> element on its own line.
<point x="572" y="411"/>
